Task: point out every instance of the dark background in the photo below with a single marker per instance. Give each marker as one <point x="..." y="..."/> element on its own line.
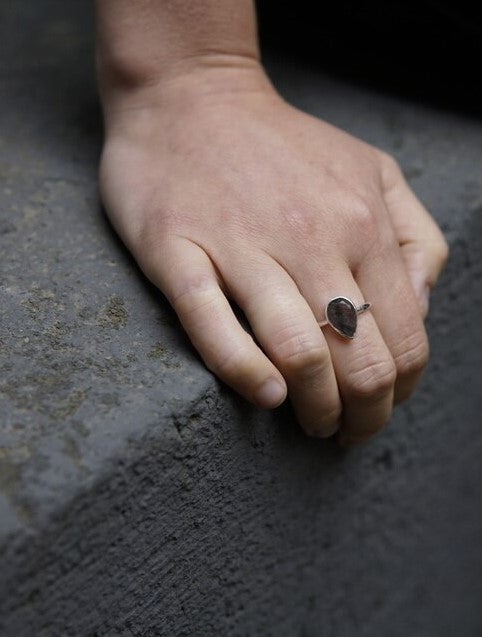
<point x="430" y="50"/>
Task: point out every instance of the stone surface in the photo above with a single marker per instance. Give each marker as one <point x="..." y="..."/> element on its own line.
<point x="341" y="315"/>
<point x="139" y="496"/>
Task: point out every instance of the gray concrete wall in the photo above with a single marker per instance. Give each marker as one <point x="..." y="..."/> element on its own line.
<point x="138" y="496"/>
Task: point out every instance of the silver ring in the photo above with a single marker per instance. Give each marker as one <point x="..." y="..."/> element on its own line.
<point x="342" y="315"/>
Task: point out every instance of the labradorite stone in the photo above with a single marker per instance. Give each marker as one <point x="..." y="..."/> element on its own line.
<point x="342" y="316"/>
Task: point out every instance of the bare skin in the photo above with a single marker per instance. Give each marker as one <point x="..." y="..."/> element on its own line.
<point x="223" y="191"/>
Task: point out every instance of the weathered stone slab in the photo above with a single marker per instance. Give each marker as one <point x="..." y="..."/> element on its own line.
<point x="140" y="497"/>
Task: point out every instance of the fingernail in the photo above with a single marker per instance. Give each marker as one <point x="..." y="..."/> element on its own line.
<point x="314" y="431"/>
<point x="328" y="433"/>
<point x="270" y="395"/>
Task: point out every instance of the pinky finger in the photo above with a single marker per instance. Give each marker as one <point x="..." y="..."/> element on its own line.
<point x="187" y="276"/>
<point x="424" y="248"/>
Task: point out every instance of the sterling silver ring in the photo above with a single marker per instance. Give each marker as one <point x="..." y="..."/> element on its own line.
<point x="342" y="315"/>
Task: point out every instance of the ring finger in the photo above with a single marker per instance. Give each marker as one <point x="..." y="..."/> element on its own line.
<point x="364" y="367"/>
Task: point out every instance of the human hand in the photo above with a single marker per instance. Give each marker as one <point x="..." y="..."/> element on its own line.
<point x="222" y="190"/>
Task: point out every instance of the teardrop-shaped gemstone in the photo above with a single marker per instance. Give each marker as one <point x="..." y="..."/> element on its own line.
<point x="341" y="315"/>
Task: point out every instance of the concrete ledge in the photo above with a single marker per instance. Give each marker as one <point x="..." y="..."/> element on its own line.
<point x="138" y="496"/>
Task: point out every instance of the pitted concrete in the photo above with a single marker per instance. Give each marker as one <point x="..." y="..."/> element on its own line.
<point x="139" y="496"/>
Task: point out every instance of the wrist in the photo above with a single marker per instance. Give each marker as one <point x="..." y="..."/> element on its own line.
<point x="180" y="88"/>
<point x="147" y="49"/>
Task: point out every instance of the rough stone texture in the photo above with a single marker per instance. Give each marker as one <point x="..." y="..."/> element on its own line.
<point x="140" y="497"/>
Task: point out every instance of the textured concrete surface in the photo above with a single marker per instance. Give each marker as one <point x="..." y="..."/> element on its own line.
<point x="138" y="496"/>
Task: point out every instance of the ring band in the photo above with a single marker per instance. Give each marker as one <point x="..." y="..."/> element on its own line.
<point x="342" y="315"/>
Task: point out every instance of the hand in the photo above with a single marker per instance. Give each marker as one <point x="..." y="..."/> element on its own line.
<point x="223" y="191"/>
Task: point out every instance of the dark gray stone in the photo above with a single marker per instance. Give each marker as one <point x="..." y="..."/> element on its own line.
<point x="139" y="496"/>
<point x="341" y="315"/>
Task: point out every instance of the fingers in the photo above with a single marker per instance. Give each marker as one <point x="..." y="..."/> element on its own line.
<point x="332" y="382"/>
<point x="424" y="248"/>
<point x="364" y="367"/>
<point x="384" y="281"/>
<point x="286" y="328"/>
<point x="186" y="275"/>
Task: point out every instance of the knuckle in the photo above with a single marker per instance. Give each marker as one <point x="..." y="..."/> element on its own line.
<point x="364" y="218"/>
<point x="413" y="358"/>
<point x="307" y="364"/>
<point x="232" y="364"/>
<point x="299" y="355"/>
<point x="197" y="292"/>
<point x="302" y="221"/>
<point x="391" y="171"/>
<point x="374" y="380"/>
<point x="228" y="365"/>
<point x="390" y="163"/>
<point x="363" y="213"/>
<point x="369" y="230"/>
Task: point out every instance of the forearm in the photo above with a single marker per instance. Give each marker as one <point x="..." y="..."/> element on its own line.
<point x="151" y="42"/>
